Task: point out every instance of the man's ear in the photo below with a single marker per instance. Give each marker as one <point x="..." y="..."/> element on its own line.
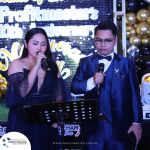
<point x="116" y="40"/>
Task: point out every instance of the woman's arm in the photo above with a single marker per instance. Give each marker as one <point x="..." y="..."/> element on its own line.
<point x="58" y="88"/>
<point x="18" y="66"/>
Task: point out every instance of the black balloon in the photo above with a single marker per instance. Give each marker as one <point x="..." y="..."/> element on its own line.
<point x="139" y="77"/>
<point x="139" y="72"/>
<point x="142" y="5"/>
<point x="135" y="59"/>
<point x="147" y="52"/>
<point x="139" y="69"/>
<point x="147" y="70"/>
<point x="141" y="61"/>
<point x="145" y="49"/>
<point x="141" y="51"/>
<point x="132" y="6"/>
<point x="141" y="54"/>
<point x="138" y="0"/>
<point x="147" y="61"/>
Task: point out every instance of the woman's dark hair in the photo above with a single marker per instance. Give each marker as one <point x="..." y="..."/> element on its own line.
<point x="51" y="63"/>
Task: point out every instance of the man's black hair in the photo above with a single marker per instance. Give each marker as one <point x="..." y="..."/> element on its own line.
<point x="107" y="25"/>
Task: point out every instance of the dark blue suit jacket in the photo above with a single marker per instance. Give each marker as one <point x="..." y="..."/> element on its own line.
<point x="125" y="92"/>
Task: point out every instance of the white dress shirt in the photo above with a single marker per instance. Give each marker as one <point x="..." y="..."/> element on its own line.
<point x="90" y="83"/>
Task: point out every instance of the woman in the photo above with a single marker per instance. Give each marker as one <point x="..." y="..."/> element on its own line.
<point x="29" y="83"/>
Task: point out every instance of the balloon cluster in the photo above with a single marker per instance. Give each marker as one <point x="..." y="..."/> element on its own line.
<point x="138" y="27"/>
<point x="138" y="34"/>
<point x="3" y="83"/>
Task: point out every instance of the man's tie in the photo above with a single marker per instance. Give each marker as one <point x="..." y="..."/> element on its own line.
<point x="102" y="57"/>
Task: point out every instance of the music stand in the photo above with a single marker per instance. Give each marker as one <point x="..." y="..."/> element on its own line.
<point x="61" y="112"/>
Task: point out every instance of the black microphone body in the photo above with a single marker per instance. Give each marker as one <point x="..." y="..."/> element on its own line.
<point x="101" y="70"/>
<point x="44" y="63"/>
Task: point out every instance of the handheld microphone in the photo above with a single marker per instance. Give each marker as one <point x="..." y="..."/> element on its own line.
<point x="101" y="70"/>
<point x="44" y="63"/>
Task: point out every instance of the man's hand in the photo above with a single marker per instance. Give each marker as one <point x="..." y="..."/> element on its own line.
<point x="137" y="129"/>
<point x="54" y="125"/>
<point x="98" y="77"/>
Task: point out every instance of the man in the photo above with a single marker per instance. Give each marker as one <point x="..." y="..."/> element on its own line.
<point x="116" y="90"/>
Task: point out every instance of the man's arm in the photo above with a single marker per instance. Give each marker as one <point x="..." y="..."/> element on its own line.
<point x="136" y="105"/>
<point x="78" y="84"/>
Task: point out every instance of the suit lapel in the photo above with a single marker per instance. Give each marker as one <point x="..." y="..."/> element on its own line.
<point x="116" y="71"/>
<point x="94" y="64"/>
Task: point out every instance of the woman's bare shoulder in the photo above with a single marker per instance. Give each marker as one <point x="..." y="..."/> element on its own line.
<point x="15" y="66"/>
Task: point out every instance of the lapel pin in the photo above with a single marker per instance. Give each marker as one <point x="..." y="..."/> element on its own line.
<point x="117" y="70"/>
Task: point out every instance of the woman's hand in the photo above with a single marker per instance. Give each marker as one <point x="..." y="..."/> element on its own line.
<point x="39" y="57"/>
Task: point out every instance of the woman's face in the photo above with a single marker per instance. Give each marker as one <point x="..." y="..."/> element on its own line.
<point x="36" y="43"/>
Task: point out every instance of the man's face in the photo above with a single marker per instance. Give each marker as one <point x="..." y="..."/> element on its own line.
<point x="105" y="42"/>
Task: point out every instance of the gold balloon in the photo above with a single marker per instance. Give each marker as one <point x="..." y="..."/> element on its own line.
<point x="127" y="35"/>
<point x="132" y="32"/>
<point x="130" y="18"/>
<point x="5" y="83"/>
<point x="3" y="79"/>
<point x="143" y="29"/>
<point x="145" y="41"/>
<point x="148" y="19"/>
<point x="2" y="89"/>
<point x="128" y="28"/>
<point x="135" y="40"/>
<point x="142" y="15"/>
<point x="0" y="66"/>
